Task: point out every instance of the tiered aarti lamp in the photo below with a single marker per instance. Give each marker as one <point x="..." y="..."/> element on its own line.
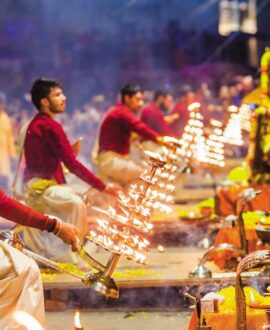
<point x="233" y="132"/>
<point x="159" y="197"/>
<point x="119" y="231"/>
<point x="193" y="141"/>
<point x="194" y="145"/>
<point x="214" y="145"/>
<point x="245" y="117"/>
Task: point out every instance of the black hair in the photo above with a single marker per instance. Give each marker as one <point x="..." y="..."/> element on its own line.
<point x="184" y="90"/>
<point x="130" y="89"/>
<point x="41" y="88"/>
<point x="158" y="93"/>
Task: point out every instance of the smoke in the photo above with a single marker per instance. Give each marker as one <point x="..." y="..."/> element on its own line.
<point x="94" y="47"/>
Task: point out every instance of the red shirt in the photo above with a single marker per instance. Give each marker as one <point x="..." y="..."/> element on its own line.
<point x="24" y="215"/>
<point x="116" y="129"/>
<point x="181" y="108"/>
<point x="46" y="146"/>
<point x="178" y="126"/>
<point x="153" y="118"/>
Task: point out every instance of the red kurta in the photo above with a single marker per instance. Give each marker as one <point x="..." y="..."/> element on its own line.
<point x="24" y="215"/>
<point x="46" y="146"/>
<point x="153" y="118"/>
<point x="116" y="129"/>
<point x="178" y="126"/>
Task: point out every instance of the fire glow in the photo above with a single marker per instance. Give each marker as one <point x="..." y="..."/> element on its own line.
<point x="119" y="229"/>
<point x="77" y="321"/>
<point x="196" y="146"/>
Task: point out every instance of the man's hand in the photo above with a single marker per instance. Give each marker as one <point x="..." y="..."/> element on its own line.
<point x="169" y="142"/>
<point x="76" y="146"/>
<point x="159" y="140"/>
<point x="68" y="234"/>
<point x="113" y="189"/>
<point x="171" y="118"/>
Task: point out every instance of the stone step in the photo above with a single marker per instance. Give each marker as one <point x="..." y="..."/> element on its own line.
<point x="159" y="284"/>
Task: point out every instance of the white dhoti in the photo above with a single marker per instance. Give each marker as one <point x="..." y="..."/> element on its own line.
<point x="60" y="201"/>
<point x="118" y="168"/>
<point x="20" y="288"/>
<point x="152" y="146"/>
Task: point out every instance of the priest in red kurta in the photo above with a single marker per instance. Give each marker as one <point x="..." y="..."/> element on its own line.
<point x="20" y="280"/>
<point x="153" y="117"/>
<point x="115" y="137"/>
<point x="186" y="97"/>
<point x="46" y="147"/>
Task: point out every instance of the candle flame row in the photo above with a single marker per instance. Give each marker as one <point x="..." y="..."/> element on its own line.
<point x="120" y="248"/>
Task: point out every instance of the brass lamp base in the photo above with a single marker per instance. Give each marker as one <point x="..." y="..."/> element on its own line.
<point x="200" y="272"/>
<point x="102" y="284"/>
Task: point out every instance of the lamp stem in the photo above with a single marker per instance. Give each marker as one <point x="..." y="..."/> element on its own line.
<point x="111" y="264"/>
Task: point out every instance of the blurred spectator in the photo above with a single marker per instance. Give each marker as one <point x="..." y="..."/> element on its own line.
<point x="168" y="103"/>
<point x="186" y="97"/>
<point x="153" y="117"/>
<point x="7" y="146"/>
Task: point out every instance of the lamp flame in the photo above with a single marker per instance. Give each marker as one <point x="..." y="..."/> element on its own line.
<point x="160" y="248"/>
<point x="77" y="321"/>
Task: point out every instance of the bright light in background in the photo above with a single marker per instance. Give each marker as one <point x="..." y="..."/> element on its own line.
<point x="235" y="17"/>
<point x="228" y="17"/>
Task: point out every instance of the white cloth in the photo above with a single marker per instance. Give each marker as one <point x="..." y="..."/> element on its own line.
<point x="125" y="169"/>
<point x="60" y="201"/>
<point x="20" y="288"/>
<point x="212" y="296"/>
<point x="152" y="146"/>
<point x="117" y="168"/>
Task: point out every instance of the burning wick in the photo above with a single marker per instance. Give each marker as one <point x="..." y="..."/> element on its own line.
<point x="77" y="321"/>
<point x="160" y="248"/>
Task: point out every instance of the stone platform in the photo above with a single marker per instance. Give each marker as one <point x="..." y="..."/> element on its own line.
<point x="158" y="285"/>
